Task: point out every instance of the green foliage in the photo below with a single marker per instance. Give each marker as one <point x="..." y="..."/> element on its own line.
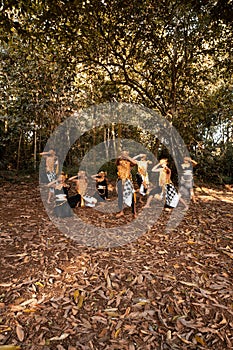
<point x="215" y="164"/>
<point x="58" y="56"/>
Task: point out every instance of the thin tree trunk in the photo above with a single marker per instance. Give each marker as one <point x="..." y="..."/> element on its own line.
<point x="35" y="149"/>
<point x="106" y="144"/>
<point x="114" y="138"/>
<point x="94" y="142"/>
<point x="19" y="150"/>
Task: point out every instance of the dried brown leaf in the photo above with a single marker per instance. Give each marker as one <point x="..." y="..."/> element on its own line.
<point x="10" y="347"/>
<point x="20" y="332"/>
<point x="61" y="337"/>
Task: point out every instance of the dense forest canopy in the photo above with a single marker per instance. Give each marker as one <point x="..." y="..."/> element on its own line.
<point x="174" y="57"/>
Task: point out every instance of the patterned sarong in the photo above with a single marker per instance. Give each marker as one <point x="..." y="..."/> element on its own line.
<point x="172" y="198"/>
<point x="128" y="192"/>
<point x="51" y="175"/>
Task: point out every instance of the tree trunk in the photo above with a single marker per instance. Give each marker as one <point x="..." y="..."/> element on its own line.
<point x="106" y="141"/>
<point x="114" y="138"/>
<point x="19" y="149"/>
<point x="35" y="149"/>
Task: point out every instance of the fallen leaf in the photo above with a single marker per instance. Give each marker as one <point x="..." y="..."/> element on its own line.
<point x="117" y="333"/>
<point x="76" y="296"/>
<point x="62" y="337"/>
<point x="80" y="301"/>
<point x="190" y="284"/>
<point x="200" y="340"/>
<point x="20" y="332"/>
<point x="10" y="347"/>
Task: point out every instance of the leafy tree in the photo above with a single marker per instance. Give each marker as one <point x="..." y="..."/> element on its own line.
<point x="173" y="57"/>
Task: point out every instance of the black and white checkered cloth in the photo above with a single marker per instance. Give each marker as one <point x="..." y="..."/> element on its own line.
<point x="172" y="198"/>
<point x="128" y="192"/>
<point x="51" y="175"/>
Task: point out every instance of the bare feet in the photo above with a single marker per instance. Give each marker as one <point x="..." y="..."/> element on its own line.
<point x="121" y="213"/>
<point x="168" y="209"/>
<point x="147" y="206"/>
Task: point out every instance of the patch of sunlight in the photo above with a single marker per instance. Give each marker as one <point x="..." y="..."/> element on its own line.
<point x="210" y="194"/>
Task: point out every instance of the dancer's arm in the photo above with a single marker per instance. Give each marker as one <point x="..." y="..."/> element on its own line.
<point x="194" y="163"/>
<point x="139" y="155"/>
<point x="156" y="168"/>
<point x="75" y="177"/>
<point x="51" y="184"/>
<point x="131" y="160"/>
<point x="44" y="154"/>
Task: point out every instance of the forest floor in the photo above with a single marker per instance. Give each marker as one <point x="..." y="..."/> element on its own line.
<point x="161" y="290"/>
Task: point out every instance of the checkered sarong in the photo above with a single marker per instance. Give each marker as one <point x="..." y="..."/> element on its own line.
<point x="128" y="191"/>
<point x="172" y="198"/>
<point x="51" y="175"/>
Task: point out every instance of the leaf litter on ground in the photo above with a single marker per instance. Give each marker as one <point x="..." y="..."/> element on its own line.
<point x="159" y="291"/>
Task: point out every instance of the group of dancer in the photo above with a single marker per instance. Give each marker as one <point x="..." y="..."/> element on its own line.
<point x="59" y="185"/>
